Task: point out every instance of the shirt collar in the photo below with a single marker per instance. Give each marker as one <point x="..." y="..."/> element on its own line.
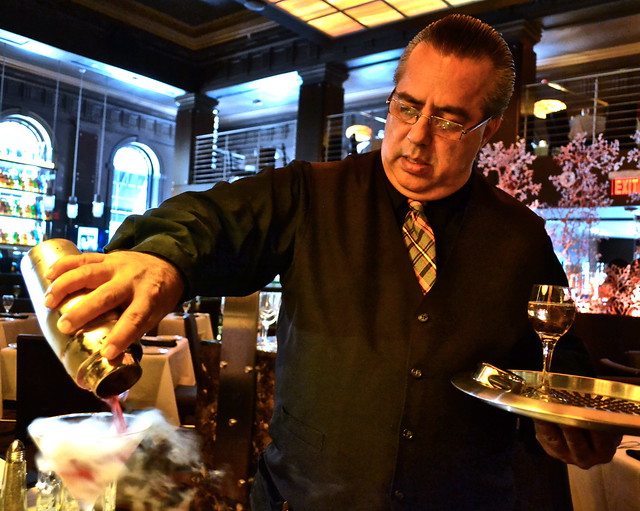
<point x="453" y="203"/>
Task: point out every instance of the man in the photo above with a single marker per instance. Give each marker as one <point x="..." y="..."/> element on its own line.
<point x="365" y="416"/>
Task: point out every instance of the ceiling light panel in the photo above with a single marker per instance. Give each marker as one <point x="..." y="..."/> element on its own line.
<point x="417" y="7"/>
<point x="340" y="17"/>
<point x="374" y="13"/>
<point x="336" y="24"/>
<point x="461" y="2"/>
<point x="305" y="9"/>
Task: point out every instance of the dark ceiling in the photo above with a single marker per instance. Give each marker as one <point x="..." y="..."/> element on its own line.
<point x="212" y="45"/>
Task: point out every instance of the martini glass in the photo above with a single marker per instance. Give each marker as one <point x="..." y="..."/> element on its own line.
<point x="86" y="450"/>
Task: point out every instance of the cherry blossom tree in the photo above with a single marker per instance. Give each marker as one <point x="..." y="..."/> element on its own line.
<point x="584" y="187"/>
<point x="511" y="166"/>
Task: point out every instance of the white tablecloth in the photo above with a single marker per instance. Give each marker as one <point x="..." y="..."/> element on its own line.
<point x="162" y="371"/>
<point x="173" y="324"/>
<point x="10" y="328"/>
<point x="614" y="486"/>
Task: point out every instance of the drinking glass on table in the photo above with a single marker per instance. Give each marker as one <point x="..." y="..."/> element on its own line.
<point x="7" y="302"/>
<point x="551" y="312"/>
<point x="269" y="308"/>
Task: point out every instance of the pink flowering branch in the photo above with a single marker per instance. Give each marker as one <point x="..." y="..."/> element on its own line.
<point x="584" y="187"/>
<point x="620" y="291"/>
<point x="511" y="165"/>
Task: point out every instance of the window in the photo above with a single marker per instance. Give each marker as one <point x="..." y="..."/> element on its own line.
<point x="136" y="179"/>
<point x="24" y="139"/>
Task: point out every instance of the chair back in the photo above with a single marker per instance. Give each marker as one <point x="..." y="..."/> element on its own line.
<point x="193" y="338"/>
<point x="43" y="387"/>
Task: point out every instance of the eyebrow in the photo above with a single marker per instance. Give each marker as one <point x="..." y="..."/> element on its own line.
<point x="446" y="109"/>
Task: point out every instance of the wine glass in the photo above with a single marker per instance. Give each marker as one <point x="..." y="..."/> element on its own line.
<point x="551" y="311"/>
<point x="86" y="450"/>
<point x="7" y="302"/>
<point x="269" y="307"/>
<point x="186" y="307"/>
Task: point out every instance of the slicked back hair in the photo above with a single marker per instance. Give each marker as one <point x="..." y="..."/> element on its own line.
<point x="466" y="37"/>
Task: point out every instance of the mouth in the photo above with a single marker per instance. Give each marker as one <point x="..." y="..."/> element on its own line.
<point x="415" y="165"/>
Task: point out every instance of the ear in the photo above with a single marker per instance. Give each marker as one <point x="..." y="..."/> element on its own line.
<point x="490" y="129"/>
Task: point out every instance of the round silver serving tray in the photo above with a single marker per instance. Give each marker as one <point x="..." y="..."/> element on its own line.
<point x="589" y="403"/>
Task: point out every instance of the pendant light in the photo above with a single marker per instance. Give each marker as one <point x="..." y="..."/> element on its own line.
<point x="72" y="204"/>
<point x="98" y="205"/>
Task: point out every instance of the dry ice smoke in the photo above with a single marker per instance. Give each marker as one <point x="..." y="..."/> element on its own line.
<point x="166" y="472"/>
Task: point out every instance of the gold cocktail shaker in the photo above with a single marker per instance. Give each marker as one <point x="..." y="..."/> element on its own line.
<point x="80" y="352"/>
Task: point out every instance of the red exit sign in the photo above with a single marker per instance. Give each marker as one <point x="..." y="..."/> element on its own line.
<point x="625" y="182"/>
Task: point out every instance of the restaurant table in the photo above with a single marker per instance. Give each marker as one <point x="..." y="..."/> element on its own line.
<point x="21" y="324"/>
<point x="9" y="330"/>
<point x="163" y="369"/>
<point x="173" y="324"/>
<point x="613" y="486"/>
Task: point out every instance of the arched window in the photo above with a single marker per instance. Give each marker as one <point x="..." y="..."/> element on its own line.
<point x="136" y="179"/>
<point x="25" y="139"/>
<point x="26" y="173"/>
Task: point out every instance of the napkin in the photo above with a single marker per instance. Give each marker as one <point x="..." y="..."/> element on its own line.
<point x="14" y="316"/>
<point x="164" y="341"/>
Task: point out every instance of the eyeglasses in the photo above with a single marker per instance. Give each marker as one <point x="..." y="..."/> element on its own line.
<point x="441" y="127"/>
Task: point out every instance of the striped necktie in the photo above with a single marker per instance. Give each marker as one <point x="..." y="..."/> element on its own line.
<point x="421" y="243"/>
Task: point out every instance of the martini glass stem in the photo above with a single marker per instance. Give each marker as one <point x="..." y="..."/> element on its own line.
<point x="548" y="345"/>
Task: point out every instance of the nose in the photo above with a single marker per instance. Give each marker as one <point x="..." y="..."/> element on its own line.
<point x="420" y="132"/>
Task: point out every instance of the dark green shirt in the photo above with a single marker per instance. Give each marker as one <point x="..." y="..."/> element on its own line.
<point x="365" y="415"/>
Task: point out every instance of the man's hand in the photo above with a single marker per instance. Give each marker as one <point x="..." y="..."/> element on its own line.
<point x="576" y="446"/>
<point x="144" y="286"/>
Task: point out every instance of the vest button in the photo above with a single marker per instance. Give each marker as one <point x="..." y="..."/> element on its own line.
<point x="423" y="318"/>
<point x="407" y="434"/>
<point x="416" y="373"/>
<point x="398" y="495"/>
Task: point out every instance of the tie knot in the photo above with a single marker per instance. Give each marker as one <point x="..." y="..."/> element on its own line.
<point x="416" y="206"/>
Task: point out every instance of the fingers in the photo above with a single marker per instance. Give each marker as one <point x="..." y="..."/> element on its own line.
<point x="584" y="448"/>
<point x="87" y="277"/>
<point x="551" y="439"/>
<point x="131" y="326"/>
<point x="70" y="262"/>
<point x="105" y="298"/>
<point x="143" y="287"/>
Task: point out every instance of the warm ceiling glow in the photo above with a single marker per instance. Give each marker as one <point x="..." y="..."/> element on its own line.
<point x="543" y="107"/>
<point x="460" y="2"/>
<point x="345" y="4"/>
<point x="416" y="7"/>
<point x="374" y="13"/>
<point x="306" y="10"/>
<point x="336" y="24"/>
<point x="340" y="17"/>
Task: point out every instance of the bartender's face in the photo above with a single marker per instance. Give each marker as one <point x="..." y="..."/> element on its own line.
<point x="419" y="163"/>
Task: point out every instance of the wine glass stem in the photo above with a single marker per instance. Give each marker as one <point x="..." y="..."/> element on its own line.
<point x="548" y="344"/>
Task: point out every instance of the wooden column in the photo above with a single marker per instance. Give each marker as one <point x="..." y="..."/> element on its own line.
<point x="321" y="94"/>
<point x="521" y="36"/>
<point x="196" y="116"/>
